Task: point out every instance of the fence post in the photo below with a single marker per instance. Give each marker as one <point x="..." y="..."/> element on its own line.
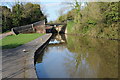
<point x="33" y="28"/>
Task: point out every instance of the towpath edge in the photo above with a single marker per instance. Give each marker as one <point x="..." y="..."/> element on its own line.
<point x="19" y="62"/>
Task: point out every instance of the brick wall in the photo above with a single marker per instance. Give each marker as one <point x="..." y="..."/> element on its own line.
<point x="37" y="27"/>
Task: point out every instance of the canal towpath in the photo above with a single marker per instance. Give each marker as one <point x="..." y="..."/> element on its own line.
<point x="19" y="62"/>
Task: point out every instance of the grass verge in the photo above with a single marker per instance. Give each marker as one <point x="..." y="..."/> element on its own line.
<point x="70" y="25"/>
<point x="13" y="41"/>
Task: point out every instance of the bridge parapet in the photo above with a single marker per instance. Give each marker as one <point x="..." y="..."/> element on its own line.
<point x="38" y="27"/>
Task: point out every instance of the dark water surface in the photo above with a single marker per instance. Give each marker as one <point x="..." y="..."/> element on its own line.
<point x="70" y="56"/>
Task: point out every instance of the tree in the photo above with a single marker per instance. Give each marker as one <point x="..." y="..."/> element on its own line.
<point x="70" y="15"/>
<point x="6" y="18"/>
<point x="17" y="14"/>
<point x="32" y="13"/>
<point x="27" y="14"/>
<point x="21" y="14"/>
<point x="111" y="13"/>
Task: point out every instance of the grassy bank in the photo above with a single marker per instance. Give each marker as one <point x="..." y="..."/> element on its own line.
<point x="96" y="19"/>
<point x="70" y="25"/>
<point x="13" y="41"/>
<point x="98" y="30"/>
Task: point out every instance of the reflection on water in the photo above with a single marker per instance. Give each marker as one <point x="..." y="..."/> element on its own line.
<point x="78" y="57"/>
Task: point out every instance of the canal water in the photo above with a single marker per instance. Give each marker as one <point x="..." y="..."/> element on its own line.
<point x="71" y="56"/>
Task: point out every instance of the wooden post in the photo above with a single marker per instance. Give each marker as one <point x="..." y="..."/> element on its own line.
<point x="33" y="28"/>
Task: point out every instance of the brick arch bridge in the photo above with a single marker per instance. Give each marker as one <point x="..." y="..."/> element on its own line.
<point x="56" y="28"/>
<point x="41" y="27"/>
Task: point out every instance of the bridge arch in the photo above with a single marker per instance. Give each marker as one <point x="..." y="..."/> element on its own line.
<point x="56" y="28"/>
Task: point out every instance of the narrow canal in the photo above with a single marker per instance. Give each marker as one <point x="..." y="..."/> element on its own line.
<point x="71" y="56"/>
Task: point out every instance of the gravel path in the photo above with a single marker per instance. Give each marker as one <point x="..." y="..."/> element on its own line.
<point x="5" y="34"/>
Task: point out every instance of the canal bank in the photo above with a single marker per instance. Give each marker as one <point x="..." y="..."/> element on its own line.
<point x="19" y="62"/>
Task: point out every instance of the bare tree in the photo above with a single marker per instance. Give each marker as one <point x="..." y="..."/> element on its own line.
<point x="44" y="10"/>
